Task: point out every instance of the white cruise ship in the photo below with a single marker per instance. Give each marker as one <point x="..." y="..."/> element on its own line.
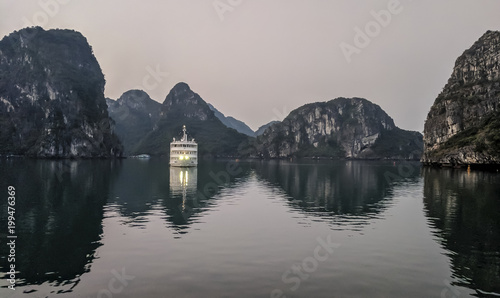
<point x="183" y="153"/>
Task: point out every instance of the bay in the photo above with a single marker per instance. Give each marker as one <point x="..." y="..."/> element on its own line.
<point x="138" y="228"/>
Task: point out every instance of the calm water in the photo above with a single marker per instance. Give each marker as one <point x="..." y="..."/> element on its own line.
<point x="136" y="228"/>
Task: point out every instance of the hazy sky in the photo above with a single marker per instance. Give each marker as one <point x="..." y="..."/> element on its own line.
<point x="257" y="60"/>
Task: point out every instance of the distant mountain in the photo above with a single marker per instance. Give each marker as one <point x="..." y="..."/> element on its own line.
<point x="463" y="124"/>
<point x="231" y="122"/>
<point x="261" y="129"/>
<point x="52" y="97"/>
<point x="184" y="107"/>
<point x="135" y="115"/>
<point x="340" y="128"/>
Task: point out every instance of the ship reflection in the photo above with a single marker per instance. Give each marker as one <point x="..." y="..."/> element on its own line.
<point x="183" y="184"/>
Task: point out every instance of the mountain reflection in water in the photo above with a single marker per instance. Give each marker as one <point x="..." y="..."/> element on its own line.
<point x="59" y="212"/>
<point x="465" y="210"/>
<point x="348" y="193"/>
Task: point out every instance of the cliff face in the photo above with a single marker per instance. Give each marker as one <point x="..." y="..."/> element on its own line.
<point x="340" y="128"/>
<point x="135" y="115"/>
<point x="52" y="97"/>
<point x="463" y="125"/>
<point x="182" y="106"/>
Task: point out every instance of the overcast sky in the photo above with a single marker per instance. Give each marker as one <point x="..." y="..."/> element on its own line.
<point x="257" y="60"/>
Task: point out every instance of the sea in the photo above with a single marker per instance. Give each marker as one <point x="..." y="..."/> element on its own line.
<point x="237" y="228"/>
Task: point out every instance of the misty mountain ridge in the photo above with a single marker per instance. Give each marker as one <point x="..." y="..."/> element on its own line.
<point x="181" y="107"/>
<point x="231" y="122"/>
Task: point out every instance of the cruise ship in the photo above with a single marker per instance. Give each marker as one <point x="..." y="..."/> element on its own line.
<point x="183" y="152"/>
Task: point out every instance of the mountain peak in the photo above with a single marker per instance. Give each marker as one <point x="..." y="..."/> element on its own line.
<point x="134" y="98"/>
<point x="181" y="85"/>
<point x="180" y="90"/>
<point x="181" y="93"/>
<point x="135" y="115"/>
<point x="181" y="99"/>
<point x="136" y="92"/>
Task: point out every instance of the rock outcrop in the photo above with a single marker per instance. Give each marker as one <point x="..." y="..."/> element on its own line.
<point x="52" y="97"/>
<point x="340" y="128"/>
<point x="463" y="124"/>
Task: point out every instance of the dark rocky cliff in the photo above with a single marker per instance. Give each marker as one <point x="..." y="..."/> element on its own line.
<point x="463" y="124"/>
<point x="52" y="97"/>
<point x="340" y="128"/>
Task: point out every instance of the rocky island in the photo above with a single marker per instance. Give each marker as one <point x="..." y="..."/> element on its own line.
<point x="340" y="128"/>
<point x="463" y="124"/>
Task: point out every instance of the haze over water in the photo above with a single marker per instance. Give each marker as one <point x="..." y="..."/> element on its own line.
<point x="137" y="228"/>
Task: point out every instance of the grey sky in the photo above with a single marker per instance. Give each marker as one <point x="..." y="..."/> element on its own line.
<point x="257" y="60"/>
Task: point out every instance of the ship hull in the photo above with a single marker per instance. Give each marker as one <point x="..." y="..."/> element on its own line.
<point x="183" y="163"/>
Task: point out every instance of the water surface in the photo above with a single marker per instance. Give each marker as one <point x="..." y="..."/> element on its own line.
<point x="137" y="228"/>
